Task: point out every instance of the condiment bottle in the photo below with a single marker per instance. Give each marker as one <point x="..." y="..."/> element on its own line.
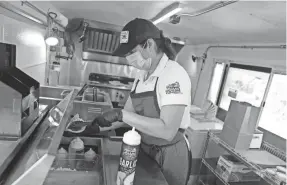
<point x="128" y="157"/>
<point x="62" y="158"/>
<point x="90" y="155"/>
<point x="76" y="151"/>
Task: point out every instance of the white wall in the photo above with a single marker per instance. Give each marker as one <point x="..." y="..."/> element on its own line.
<point x="275" y="58"/>
<point x="30" y="46"/>
<point x="184" y="58"/>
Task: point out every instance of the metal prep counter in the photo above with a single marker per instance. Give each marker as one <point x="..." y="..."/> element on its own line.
<point x="10" y="147"/>
<point x="39" y="162"/>
<point x="90" y="100"/>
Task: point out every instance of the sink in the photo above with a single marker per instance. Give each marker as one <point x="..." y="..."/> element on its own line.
<point x="99" y="97"/>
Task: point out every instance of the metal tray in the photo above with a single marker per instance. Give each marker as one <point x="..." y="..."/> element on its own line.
<point x="79" y="170"/>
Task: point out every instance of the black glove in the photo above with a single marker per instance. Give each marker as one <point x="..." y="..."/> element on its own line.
<point x="108" y="117"/>
<point x="90" y="131"/>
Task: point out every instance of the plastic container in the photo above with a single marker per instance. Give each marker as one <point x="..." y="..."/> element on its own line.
<point x="90" y="155"/>
<point x="128" y="157"/>
<point x="62" y="158"/>
<point x="90" y="159"/>
<point x="76" y="151"/>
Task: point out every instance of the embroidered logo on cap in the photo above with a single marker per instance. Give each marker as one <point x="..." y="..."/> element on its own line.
<point x="124" y="37"/>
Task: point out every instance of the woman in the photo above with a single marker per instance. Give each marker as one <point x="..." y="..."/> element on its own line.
<point x="159" y="103"/>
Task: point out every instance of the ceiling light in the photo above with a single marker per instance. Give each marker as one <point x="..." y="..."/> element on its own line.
<point x="167" y="12"/>
<point x="52" y="41"/>
<point x="51" y="37"/>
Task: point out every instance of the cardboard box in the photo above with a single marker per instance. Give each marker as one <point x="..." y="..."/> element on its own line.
<point x="232" y="170"/>
<point x="239" y="125"/>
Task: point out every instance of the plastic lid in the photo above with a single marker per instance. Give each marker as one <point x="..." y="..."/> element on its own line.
<point x="90" y="153"/>
<point x="132" y="137"/>
<point x="77" y="144"/>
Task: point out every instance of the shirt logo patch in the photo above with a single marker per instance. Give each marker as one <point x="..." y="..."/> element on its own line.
<point x="173" y="88"/>
<point x="124" y="38"/>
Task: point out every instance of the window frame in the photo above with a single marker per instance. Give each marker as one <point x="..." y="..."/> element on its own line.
<point x="221" y="113"/>
<point x="274" y="72"/>
<point x="221" y="80"/>
<point x="270" y="137"/>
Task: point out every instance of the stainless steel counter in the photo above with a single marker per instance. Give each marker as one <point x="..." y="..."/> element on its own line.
<point x="38" y="163"/>
<point x="147" y="171"/>
<point x="10" y="148"/>
<point x="37" y="155"/>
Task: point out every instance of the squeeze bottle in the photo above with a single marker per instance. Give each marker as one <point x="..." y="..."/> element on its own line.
<point x="90" y="155"/>
<point x="128" y="157"/>
<point x="62" y="158"/>
<point x="76" y="151"/>
<point x="90" y="158"/>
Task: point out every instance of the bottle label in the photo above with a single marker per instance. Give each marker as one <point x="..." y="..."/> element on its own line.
<point x="127" y="164"/>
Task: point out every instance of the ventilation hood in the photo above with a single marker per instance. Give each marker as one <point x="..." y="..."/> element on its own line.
<point x="100" y="44"/>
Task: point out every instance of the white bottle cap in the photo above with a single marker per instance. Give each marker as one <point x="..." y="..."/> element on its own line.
<point x="132" y="137"/>
<point x="62" y="151"/>
<point x="77" y="144"/>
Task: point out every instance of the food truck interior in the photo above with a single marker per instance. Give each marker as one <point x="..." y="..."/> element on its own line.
<point x="57" y="68"/>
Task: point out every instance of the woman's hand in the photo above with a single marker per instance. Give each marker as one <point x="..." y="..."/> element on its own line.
<point x="108" y="117"/>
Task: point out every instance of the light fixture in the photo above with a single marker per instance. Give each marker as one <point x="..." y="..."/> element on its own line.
<point x="51" y="37"/>
<point x="167" y="12"/>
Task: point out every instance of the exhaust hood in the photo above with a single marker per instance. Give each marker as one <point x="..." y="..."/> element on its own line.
<point x="100" y="44"/>
<point x="101" y="41"/>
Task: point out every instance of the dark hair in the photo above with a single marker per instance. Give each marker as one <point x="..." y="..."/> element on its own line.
<point x="164" y="45"/>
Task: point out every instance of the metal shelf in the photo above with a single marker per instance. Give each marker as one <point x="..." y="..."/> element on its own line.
<point x="256" y="168"/>
<point x="214" y="172"/>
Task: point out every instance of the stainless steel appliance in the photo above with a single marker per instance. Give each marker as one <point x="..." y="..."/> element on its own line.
<point x="19" y="96"/>
<point x="40" y="162"/>
<point x="118" y="87"/>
